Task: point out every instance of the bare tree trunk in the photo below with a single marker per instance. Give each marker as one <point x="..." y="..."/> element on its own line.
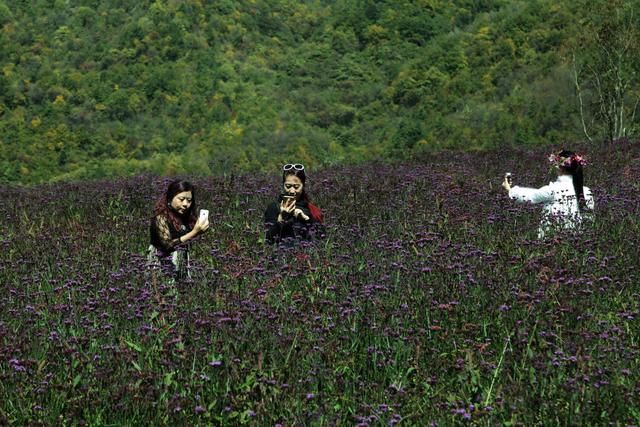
<point x="606" y="66"/>
<point x="579" y="92"/>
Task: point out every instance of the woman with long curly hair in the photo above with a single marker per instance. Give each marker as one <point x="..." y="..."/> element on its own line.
<point x="173" y="225"/>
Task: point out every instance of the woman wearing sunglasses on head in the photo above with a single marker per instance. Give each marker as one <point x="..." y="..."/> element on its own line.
<point x="293" y="216"/>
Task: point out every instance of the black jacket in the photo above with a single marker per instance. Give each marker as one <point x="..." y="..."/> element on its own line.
<point x="169" y="254"/>
<point x="291" y="229"/>
<point x="163" y="234"/>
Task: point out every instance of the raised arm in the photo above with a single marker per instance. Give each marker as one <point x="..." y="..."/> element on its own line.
<point x="532" y="195"/>
<point x="161" y="225"/>
<point x="167" y="244"/>
<point x="274" y="222"/>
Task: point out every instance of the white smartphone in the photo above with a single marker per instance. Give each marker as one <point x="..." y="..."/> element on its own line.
<point x="204" y="214"/>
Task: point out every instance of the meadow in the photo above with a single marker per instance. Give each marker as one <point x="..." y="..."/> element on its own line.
<point x="430" y="302"/>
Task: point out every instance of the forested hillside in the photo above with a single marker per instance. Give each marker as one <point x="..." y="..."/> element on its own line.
<point x="97" y="88"/>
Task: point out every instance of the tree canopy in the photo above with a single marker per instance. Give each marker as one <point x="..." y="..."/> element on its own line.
<point x="98" y="88"/>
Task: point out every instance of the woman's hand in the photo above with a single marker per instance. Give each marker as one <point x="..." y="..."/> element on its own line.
<point x="201" y="225"/>
<point x="287" y="207"/>
<point x="506" y="184"/>
<point x="298" y="213"/>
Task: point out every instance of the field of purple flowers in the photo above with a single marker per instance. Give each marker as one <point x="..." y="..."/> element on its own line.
<point x="430" y="301"/>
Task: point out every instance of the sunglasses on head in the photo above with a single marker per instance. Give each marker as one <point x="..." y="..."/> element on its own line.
<point x="293" y="166"/>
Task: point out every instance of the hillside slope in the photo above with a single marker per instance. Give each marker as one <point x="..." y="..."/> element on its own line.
<point x="102" y="88"/>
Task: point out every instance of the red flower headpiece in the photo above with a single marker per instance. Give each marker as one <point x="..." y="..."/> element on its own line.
<point x="567" y="162"/>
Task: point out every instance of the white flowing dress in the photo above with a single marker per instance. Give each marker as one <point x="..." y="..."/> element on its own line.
<point x="560" y="210"/>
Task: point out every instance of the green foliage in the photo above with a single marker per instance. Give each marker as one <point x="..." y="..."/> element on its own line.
<point x="605" y="59"/>
<point x="5" y="13"/>
<point x="226" y="85"/>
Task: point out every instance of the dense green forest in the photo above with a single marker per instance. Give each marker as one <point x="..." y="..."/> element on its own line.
<point x="98" y="88"/>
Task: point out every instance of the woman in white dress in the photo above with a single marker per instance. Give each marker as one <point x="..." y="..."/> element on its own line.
<point x="566" y="201"/>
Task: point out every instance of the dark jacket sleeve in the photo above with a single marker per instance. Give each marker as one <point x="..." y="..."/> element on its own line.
<point x="162" y="233"/>
<point x="274" y="228"/>
<point x="291" y="227"/>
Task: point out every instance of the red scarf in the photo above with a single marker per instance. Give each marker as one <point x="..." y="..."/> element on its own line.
<point x="316" y="213"/>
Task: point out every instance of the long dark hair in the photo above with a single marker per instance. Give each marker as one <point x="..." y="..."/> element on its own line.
<point x="574" y="167"/>
<point x="163" y="205"/>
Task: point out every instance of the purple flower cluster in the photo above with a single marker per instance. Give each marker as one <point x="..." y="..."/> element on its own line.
<point x="430" y="301"/>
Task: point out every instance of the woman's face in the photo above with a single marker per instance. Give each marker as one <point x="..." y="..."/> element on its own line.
<point x="293" y="186"/>
<point x="181" y="202"/>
